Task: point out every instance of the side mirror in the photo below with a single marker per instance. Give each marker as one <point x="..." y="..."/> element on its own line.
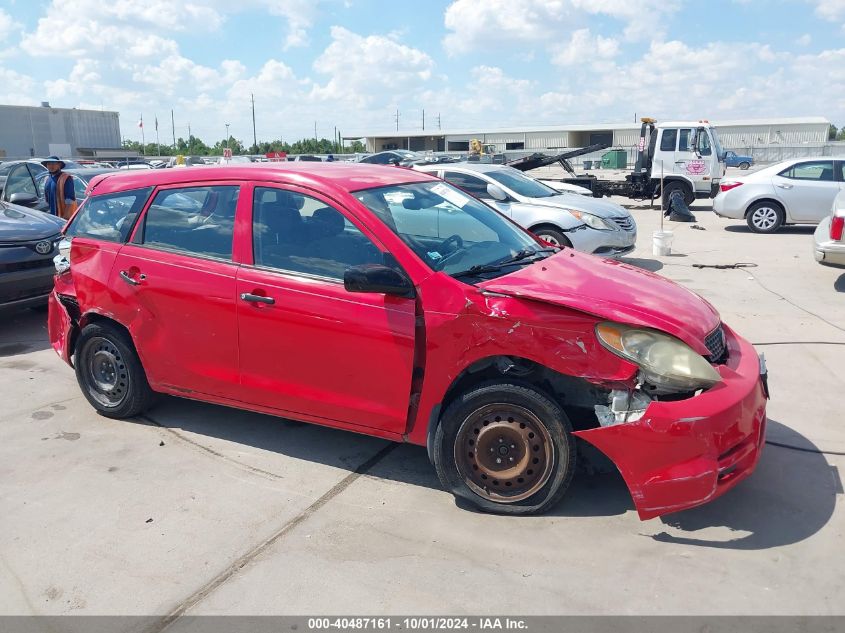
<point x="377" y="278"/>
<point x="24" y="199"/>
<point x="497" y="193"/>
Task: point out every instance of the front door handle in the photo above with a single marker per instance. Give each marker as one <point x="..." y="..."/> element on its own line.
<point x="132" y="282"/>
<point x="248" y="296"/>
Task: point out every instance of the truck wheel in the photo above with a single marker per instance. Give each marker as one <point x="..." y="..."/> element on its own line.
<point x="109" y="372"/>
<point x="671" y="187"/>
<point x="506" y="448"/>
<point x="765" y="217"/>
<point x="552" y="235"/>
<point x="744" y="165"/>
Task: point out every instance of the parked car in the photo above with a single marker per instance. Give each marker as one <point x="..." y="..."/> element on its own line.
<point x="732" y="159"/>
<point x="565" y="187"/>
<point x="829" y="238"/>
<point x="393" y="157"/>
<point x="305" y="158"/>
<point x="28" y="241"/>
<point x="587" y="224"/>
<point x="438" y="322"/>
<point x="796" y="191"/>
<point x="233" y="160"/>
<point x="18" y="182"/>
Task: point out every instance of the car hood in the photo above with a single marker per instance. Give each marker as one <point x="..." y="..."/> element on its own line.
<point x="20" y="224"/>
<point x="615" y="291"/>
<point x="596" y="206"/>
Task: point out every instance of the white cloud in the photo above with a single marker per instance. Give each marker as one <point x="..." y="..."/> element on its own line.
<point x="7" y="26"/>
<point x="583" y="46"/>
<point x="359" y="68"/>
<point x="804" y="40"/>
<point x="833" y="10"/>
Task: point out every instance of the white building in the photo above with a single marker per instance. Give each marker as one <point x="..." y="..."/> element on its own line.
<point x="743" y="135"/>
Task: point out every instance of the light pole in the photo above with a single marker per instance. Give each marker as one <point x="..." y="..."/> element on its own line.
<point x="227" y="135"/>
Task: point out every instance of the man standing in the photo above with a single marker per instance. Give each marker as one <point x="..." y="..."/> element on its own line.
<point x="58" y="190"/>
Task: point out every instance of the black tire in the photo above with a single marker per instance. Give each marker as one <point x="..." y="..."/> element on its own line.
<point x="537" y="435"/>
<point x="109" y="372"/>
<point x="670" y="187"/>
<point x="765" y="217"/>
<point x="744" y="165"/>
<point x="552" y="235"/>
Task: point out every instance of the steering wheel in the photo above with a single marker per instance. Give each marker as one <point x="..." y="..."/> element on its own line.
<point x="457" y="239"/>
<point x="458" y="250"/>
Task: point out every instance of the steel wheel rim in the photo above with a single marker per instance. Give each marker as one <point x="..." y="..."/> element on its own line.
<point x="107" y="373"/>
<point x="764" y="218"/>
<point x="504" y="453"/>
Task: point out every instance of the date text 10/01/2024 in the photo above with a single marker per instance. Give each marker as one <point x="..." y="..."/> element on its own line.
<point x="417" y="623"/>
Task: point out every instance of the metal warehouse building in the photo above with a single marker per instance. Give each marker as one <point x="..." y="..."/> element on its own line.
<point x="27" y="131"/>
<point x="739" y="135"/>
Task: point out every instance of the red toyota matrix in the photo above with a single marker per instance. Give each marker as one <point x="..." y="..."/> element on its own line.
<point x="385" y="301"/>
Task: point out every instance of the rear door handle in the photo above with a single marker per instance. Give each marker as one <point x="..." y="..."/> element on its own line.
<point x="784" y="185"/>
<point x="132" y="282"/>
<point x="248" y="296"/>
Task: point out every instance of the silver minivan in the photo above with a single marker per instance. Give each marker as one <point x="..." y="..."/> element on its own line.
<point x="587" y="224"/>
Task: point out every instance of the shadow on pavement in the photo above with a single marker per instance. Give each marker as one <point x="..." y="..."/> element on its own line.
<point x="23" y="331"/>
<point x="839" y="284"/>
<point x="790" y="497"/>
<point x="647" y="264"/>
<point x="786" y="230"/>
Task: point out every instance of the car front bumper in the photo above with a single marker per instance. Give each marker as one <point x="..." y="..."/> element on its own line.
<point x="26" y="288"/>
<point x="685" y="453"/>
<point x="603" y="243"/>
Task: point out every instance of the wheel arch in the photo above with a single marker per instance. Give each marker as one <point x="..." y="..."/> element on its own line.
<point x="769" y="200"/>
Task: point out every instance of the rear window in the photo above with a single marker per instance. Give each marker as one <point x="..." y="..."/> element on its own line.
<point x="668" y="140"/>
<point x="109" y="217"/>
<point x="821" y="170"/>
<point x="193" y="220"/>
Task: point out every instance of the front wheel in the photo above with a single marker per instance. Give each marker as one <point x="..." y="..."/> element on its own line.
<point x="109" y="372"/>
<point x="506" y="448"/>
<point x="553" y="236"/>
<point x="744" y="165"/>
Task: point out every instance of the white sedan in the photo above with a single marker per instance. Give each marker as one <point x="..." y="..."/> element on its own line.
<point x="797" y="191"/>
<point x="829" y="238"/>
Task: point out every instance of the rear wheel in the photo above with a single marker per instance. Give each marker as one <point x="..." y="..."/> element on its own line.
<point x="506" y="448"/>
<point x="552" y="235"/>
<point x="765" y="217"/>
<point x="109" y="372"/>
<point x="744" y="165"/>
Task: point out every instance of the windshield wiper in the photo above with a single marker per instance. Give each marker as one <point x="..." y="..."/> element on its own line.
<point x="519" y="259"/>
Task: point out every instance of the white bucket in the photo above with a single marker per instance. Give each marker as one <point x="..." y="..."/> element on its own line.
<point x="661" y="243"/>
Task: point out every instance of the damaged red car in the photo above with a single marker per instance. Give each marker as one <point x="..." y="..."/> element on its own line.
<point x="387" y="302"/>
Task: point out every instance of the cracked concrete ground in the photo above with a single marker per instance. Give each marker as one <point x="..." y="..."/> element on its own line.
<point x="201" y="509"/>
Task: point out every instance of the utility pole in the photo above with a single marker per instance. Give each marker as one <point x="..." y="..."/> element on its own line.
<point x="254" y="137"/>
<point x="173" y="129"/>
<point x="438" y="120"/>
<point x="423" y="118"/>
<point x="397" y="119"/>
<point x="227" y="135"/>
<point x="315" y="133"/>
<point x="190" y="140"/>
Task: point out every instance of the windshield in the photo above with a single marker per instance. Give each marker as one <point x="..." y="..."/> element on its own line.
<point x="519" y="183"/>
<point x="451" y="231"/>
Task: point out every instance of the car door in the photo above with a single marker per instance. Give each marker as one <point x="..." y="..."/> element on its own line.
<point x="174" y="285"/>
<point x="807" y="189"/>
<point x="308" y="347"/>
<point x="21" y="181"/>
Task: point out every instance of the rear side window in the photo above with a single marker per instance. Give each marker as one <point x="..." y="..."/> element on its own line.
<point x="668" y="140"/>
<point x="109" y="218"/>
<point x="194" y="220"/>
<point x="684" y="140"/>
<point x="819" y="170"/>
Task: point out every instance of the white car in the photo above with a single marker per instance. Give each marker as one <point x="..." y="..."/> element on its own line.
<point x="565" y="187"/>
<point x="797" y="191"/>
<point x="586" y="224"/>
<point x="829" y="238"/>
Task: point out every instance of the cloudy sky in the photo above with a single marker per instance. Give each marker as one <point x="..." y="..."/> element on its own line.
<point x="353" y="63"/>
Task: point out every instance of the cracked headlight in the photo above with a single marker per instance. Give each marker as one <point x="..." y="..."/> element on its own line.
<point x="665" y="361"/>
<point x="593" y="221"/>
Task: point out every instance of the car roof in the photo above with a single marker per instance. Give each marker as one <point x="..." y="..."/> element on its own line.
<point x="480" y="168"/>
<point x="339" y="176"/>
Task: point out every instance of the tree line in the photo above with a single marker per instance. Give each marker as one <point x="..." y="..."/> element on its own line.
<point x="193" y="146"/>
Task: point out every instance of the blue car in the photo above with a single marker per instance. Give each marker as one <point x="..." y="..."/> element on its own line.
<point x="733" y="160"/>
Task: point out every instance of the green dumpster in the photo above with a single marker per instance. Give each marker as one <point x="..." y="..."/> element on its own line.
<point x="614" y="159"/>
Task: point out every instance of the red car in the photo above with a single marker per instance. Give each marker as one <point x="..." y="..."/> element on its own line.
<point x="387" y="302"/>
